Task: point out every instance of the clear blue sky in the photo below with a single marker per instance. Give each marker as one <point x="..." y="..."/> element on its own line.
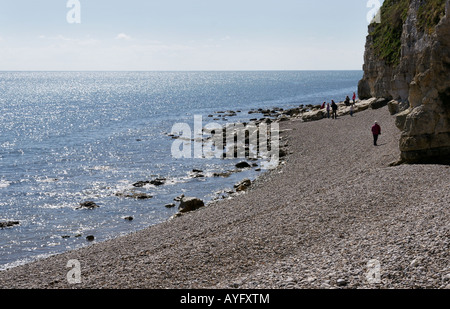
<point x="184" y="35"/>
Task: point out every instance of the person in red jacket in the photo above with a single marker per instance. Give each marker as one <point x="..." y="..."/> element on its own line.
<point x="376" y="131"/>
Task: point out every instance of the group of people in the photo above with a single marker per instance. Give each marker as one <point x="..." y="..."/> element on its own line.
<point x="332" y="113"/>
<point x="333" y="108"/>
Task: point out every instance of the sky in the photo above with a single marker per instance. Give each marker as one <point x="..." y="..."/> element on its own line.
<point x="183" y="35"/>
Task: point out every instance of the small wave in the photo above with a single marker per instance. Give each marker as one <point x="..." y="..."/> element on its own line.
<point x="47" y="180"/>
<point x="100" y="168"/>
<point x="4" y="184"/>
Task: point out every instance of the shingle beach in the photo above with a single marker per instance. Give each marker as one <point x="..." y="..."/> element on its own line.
<point x="333" y="206"/>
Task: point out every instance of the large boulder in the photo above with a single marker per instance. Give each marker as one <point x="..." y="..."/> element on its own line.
<point x="243" y="164"/>
<point x="314" y="115"/>
<point x="379" y="103"/>
<point x="243" y="185"/>
<point x="188" y="204"/>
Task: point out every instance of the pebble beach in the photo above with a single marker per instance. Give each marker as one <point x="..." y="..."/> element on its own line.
<point x="334" y="206"/>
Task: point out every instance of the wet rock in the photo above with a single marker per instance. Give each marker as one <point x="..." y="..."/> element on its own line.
<point x="172" y="205"/>
<point x="129" y="218"/>
<point x="140" y="184"/>
<point x="243" y="185"/>
<point x="243" y="165"/>
<point x="158" y="182"/>
<point x="222" y="174"/>
<point x="8" y="224"/>
<point x="135" y="195"/>
<point x="179" y="198"/>
<point x="90" y="238"/>
<point x="190" y="204"/>
<point x="197" y="174"/>
<point x="88" y="205"/>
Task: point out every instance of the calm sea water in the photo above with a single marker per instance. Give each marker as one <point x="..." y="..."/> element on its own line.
<point x="70" y="137"/>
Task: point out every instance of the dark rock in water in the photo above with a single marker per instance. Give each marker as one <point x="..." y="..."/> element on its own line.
<point x="190" y="204"/>
<point x="172" y="205"/>
<point x="243" y="165"/>
<point x="140" y="196"/>
<point x="197" y="173"/>
<point x="88" y="205"/>
<point x="158" y="182"/>
<point x="140" y="184"/>
<point x="222" y="174"/>
<point x="179" y="198"/>
<point x="90" y="238"/>
<point x="8" y="224"/>
<point x="129" y="218"/>
<point x="135" y="195"/>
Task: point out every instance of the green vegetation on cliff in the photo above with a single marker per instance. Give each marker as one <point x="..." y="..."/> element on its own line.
<point x="387" y="35"/>
<point x="430" y="13"/>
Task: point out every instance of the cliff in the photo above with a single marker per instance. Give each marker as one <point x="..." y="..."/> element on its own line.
<point x="407" y="59"/>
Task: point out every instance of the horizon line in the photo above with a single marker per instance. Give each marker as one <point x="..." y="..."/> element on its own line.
<point x="162" y="71"/>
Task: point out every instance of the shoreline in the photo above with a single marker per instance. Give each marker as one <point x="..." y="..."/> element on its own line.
<point x="286" y="231"/>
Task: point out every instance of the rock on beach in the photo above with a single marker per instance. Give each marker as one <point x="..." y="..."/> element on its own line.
<point x="188" y="204"/>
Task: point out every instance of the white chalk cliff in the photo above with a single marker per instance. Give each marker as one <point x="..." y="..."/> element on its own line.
<point x="407" y="59"/>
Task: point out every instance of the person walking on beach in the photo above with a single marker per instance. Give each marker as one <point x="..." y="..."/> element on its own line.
<point x="334" y="107"/>
<point x="376" y="131"/>
<point x="328" y="110"/>
<point x="354" y="97"/>
<point x="351" y="110"/>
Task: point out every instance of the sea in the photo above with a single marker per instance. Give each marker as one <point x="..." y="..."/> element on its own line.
<point x="71" y="137"/>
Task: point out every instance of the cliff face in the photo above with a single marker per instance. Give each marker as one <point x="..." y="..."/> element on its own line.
<point x="407" y="59"/>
